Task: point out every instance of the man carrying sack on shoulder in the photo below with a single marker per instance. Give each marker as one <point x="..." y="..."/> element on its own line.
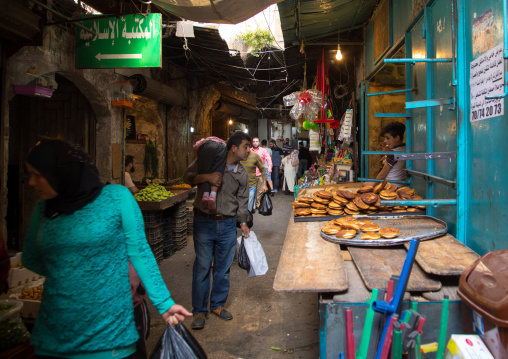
<point x="215" y="234"/>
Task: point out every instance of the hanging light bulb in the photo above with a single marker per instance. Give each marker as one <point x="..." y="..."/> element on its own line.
<point x="339" y="54"/>
<point x="230" y="122"/>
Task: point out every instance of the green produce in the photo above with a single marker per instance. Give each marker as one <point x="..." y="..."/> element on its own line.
<point x="12" y="330"/>
<point x="154" y="193"/>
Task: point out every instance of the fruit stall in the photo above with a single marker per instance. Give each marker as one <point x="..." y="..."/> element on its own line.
<point x="165" y="215"/>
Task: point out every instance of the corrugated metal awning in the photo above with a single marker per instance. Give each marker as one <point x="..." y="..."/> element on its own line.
<point x="310" y="20"/>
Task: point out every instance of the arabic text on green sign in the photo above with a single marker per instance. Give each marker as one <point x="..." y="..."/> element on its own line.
<point x="128" y="41"/>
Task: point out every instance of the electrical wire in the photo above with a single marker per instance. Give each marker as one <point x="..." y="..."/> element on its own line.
<point x="243" y="52"/>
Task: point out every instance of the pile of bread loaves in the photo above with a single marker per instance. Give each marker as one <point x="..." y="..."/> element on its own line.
<point x="348" y="227"/>
<point x="366" y="200"/>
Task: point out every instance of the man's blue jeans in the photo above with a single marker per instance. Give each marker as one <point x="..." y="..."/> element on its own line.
<point x="275" y="177"/>
<point x="252" y="197"/>
<point x="213" y="241"/>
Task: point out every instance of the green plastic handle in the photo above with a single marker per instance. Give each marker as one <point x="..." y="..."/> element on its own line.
<point x="397" y="345"/>
<point x="362" y="351"/>
<point x="443" y="327"/>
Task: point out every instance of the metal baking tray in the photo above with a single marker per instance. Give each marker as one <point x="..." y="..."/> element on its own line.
<point x="410" y="227"/>
<point x="329" y="218"/>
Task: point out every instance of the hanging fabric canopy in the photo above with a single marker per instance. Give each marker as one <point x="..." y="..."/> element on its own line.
<point x="215" y="11"/>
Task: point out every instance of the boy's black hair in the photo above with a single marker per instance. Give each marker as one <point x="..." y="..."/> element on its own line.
<point x="394" y="129"/>
<point x="128" y="160"/>
<point x="300" y="143"/>
<point x="237" y="138"/>
<point x="264" y="143"/>
<point x="273" y="141"/>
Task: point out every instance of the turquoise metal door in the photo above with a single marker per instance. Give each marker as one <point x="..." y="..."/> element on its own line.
<point x="484" y="160"/>
<point x="433" y="127"/>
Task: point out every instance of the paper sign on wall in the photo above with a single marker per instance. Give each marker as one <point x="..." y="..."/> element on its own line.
<point x="486" y="78"/>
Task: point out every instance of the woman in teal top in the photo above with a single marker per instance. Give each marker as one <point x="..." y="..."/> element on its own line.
<point x="80" y="238"/>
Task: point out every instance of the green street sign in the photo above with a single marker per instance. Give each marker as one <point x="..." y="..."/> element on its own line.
<point x="128" y="41"/>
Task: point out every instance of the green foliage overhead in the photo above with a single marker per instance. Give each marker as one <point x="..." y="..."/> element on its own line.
<point x="258" y="39"/>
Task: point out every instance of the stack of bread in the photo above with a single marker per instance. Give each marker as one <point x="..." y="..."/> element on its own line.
<point x="366" y="200"/>
<point x="348" y="227"/>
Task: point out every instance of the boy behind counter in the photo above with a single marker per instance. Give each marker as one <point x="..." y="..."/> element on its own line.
<point x="393" y="170"/>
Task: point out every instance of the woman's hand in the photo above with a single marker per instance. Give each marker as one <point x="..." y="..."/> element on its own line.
<point x="175" y="314"/>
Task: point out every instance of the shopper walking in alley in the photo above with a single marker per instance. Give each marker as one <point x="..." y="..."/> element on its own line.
<point x="252" y="165"/>
<point x="290" y="165"/>
<point x="264" y="144"/>
<point x="267" y="161"/>
<point x="287" y="148"/>
<point x="276" y="162"/>
<point x="304" y="159"/>
<point x="81" y="237"/>
<point x="215" y="234"/>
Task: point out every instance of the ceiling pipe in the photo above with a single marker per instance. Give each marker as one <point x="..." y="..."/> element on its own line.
<point x="155" y="90"/>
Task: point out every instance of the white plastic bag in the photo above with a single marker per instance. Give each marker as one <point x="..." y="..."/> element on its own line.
<point x="258" y="263"/>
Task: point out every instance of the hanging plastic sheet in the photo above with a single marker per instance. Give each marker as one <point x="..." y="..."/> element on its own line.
<point x="216" y="11"/>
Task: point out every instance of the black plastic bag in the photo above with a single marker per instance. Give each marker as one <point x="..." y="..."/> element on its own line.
<point x="171" y="345"/>
<point x="243" y="258"/>
<point x="265" y="205"/>
<point x="250" y="221"/>
<point x="191" y="341"/>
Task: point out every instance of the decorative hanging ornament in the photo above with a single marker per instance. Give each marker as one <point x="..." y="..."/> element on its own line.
<point x="306" y="103"/>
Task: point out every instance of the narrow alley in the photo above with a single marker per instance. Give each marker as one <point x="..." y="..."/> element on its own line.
<point x="263" y="318"/>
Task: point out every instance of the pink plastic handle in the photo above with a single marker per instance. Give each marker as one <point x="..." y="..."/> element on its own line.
<point x="350" y="337"/>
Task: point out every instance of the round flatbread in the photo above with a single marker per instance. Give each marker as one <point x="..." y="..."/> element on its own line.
<point x="330" y="230"/>
<point x="404" y="195"/>
<point x="320" y="200"/>
<point x="325" y="194"/>
<point x="387" y="195"/>
<point x="388" y="232"/>
<point x="343" y="220"/>
<point x="346" y="234"/>
<point x="347" y="194"/>
<point x="318" y="206"/>
<point x="317" y="211"/>
<point x="351" y="225"/>
<point x="305" y="199"/>
<point x="360" y="204"/>
<point x="336" y="212"/>
<point x="352" y="206"/>
<point x="369" y="198"/>
<point x="412" y="209"/>
<point x="334" y="205"/>
<point x="378" y="188"/>
<point x="369" y="236"/>
<point x="297" y="204"/>
<point x="340" y="200"/>
<point x="348" y="211"/>
<point x="369" y="227"/>
<point x="302" y="211"/>
<point x="365" y="189"/>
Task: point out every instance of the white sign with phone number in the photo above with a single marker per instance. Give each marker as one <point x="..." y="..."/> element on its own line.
<point x="486" y="78"/>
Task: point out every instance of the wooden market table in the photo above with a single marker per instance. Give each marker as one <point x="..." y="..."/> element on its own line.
<point x="344" y="276"/>
<point x="308" y="263"/>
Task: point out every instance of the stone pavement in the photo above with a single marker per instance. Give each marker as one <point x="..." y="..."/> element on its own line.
<point x="263" y="318"/>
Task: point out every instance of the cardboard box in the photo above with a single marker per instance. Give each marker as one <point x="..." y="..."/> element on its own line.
<point x="467" y="347"/>
<point x="20" y="276"/>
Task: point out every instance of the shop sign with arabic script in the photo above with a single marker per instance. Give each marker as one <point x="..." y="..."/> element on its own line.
<point x="127" y="41"/>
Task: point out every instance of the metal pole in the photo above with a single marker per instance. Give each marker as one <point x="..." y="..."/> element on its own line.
<point x="63" y="16"/>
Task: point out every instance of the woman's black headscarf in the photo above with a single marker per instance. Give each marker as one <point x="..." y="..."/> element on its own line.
<point x="70" y="172"/>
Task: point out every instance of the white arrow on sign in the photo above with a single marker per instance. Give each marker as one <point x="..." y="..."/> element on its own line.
<point x="117" y="56"/>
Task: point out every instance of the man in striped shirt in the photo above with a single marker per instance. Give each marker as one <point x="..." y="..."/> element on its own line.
<point x="287" y="148"/>
<point x="252" y="163"/>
